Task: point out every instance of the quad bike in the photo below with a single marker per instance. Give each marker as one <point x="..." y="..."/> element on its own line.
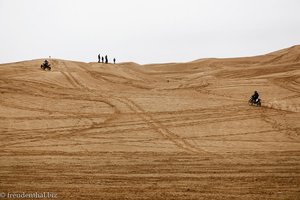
<point x="253" y="102"/>
<point x="46" y="67"/>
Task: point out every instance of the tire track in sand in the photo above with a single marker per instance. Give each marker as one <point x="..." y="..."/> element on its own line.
<point x="87" y="97"/>
<point x="71" y="79"/>
<point x="282" y="127"/>
<point x="159" y="128"/>
<point x="77" y="84"/>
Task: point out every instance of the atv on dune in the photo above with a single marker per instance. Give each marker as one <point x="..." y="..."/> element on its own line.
<point x="46" y="66"/>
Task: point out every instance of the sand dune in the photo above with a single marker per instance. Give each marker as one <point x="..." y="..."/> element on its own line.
<point x="160" y="131"/>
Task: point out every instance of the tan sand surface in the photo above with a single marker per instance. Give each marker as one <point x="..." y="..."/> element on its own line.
<point x="159" y="131"/>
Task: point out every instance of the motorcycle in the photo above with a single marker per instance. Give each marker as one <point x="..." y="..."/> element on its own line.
<point x="254" y="102"/>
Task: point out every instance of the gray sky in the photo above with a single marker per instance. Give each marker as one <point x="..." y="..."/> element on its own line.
<point x="145" y="31"/>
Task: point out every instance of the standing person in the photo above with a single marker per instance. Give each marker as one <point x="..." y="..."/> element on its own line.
<point x="106" y="59"/>
<point x="114" y="60"/>
<point x="102" y="59"/>
<point x="99" y="58"/>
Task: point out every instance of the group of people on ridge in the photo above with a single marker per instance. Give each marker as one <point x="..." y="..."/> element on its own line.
<point x="104" y="59"/>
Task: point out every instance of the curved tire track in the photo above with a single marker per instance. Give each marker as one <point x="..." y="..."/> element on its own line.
<point x="159" y="128"/>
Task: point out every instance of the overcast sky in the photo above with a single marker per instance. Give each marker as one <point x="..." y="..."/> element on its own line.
<point x="145" y="31"/>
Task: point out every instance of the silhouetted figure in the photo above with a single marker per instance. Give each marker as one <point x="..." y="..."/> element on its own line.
<point x="254" y="100"/>
<point x="102" y="59"/>
<point x="46" y="63"/>
<point x="255" y="96"/>
<point x="99" y="58"/>
<point x="114" y="60"/>
<point x="106" y="59"/>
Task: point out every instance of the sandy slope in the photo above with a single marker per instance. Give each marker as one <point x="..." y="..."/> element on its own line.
<point x="165" y="131"/>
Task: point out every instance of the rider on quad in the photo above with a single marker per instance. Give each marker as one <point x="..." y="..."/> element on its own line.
<point x="254" y="99"/>
<point x="46" y="65"/>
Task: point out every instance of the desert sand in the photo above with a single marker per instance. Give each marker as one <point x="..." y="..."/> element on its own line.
<point x="159" y="131"/>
